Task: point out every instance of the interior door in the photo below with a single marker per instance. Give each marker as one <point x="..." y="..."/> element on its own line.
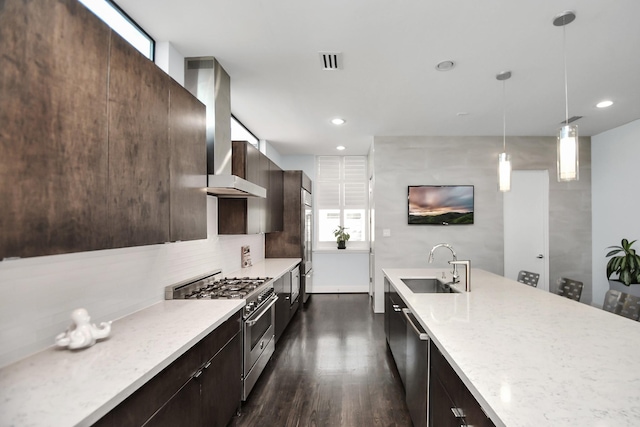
<point x="526" y="225"/>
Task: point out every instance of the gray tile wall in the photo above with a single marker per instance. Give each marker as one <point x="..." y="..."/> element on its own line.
<point x="402" y="161"/>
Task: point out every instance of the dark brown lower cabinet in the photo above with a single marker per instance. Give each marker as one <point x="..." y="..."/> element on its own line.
<point x="221" y="386"/>
<point x="201" y="388"/>
<point x="450" y="401"/>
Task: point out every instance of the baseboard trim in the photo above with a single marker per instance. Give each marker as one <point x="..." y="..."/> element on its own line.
<point x="357" y="289"/>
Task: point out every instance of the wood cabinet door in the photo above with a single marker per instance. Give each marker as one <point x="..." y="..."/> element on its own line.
<point x="181" y="410"/>
<point x="440" y="405"/>
<point x="188" y="166"/>
<point x="138" y="148"/>
<point x="53" y="128"/>
<point x="275" y="199"/>
<point x="222" y="385"/>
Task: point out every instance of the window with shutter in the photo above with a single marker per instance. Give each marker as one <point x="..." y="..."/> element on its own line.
<point x="341" y="198"/>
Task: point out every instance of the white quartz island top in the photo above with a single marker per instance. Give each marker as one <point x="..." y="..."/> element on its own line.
<point x="532" y="358"/>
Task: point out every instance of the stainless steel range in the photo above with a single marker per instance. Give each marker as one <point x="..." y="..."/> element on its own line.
<point x="258" y="315"/>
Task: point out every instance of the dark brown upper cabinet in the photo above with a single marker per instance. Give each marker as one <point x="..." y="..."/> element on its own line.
<point x="53" y="129"/>
<point x="252" y="215"/>
<point x="89" y="158"/>
<point x="188" y="164"/>
<point x="138" y="148"/>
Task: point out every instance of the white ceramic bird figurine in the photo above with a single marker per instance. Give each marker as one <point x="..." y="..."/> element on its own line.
<point x="81" y="333"/>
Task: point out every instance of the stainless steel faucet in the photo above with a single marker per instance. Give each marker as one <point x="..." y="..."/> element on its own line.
<point x="467" y="272"/>
<point x="454" y="272"/>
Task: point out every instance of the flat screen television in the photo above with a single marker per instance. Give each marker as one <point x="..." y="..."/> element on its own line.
<point x="440" y="204"/>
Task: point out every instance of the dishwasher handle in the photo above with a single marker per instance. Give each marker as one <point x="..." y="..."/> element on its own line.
<point x="422" y="335"/>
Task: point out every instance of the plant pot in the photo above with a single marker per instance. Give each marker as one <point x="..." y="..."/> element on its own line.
<point x="633" y="289"/>
<point x="342" y="244"/>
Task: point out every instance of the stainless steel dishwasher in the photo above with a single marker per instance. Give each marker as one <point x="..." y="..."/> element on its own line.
<point x="417" y="370"/>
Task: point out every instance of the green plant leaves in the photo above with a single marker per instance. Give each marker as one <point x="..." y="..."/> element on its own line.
<point x="627" y="266"/>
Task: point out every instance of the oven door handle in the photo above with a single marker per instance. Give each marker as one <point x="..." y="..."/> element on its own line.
<point x="262" y="313"/>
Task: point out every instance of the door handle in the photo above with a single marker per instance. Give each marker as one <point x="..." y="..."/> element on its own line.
<point x="540" y="256"/>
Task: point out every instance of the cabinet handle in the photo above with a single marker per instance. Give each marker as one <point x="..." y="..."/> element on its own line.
<point x="422" y="335"/>
<point x="396" y="307"/>
<point x="207" y="365"/>
<point x="457" y="412"/>
<point x="197" y="374"/>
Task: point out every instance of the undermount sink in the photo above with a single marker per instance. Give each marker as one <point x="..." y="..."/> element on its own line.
<point x="428" y="285"/>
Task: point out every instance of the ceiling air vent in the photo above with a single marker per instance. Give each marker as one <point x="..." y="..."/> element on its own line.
<point x="571" y="120"/>
<point x="331" y="61"/>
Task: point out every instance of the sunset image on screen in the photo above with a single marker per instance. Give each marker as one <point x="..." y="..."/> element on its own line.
<point x="441" y="204"/>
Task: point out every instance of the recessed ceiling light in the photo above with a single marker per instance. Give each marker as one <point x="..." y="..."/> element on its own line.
<point x="338" y="121"/>
<point x="340" y="147"/>
<point x="445" y="65"/>
<point x="604" y="104"/>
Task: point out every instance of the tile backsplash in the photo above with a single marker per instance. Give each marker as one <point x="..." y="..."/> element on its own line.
<point x="38" y="294"/>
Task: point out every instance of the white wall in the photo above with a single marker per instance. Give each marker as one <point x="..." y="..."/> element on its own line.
<point x="170" y="61"/>
<point x="615" y="202"/>
<point x="402" y="161"/>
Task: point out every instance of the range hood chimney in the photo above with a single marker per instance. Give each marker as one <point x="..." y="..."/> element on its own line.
<point x="206" y="79"/>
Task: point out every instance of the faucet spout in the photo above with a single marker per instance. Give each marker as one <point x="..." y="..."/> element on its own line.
<point x="454" y="272"/>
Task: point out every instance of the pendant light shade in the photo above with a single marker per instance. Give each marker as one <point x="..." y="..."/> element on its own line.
<point x="568" y="159"/>
<point x="504" y="172"/>
<point x="504" y="159"/>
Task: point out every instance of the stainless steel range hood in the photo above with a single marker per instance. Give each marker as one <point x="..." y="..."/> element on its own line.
<point x="209" y="82"/>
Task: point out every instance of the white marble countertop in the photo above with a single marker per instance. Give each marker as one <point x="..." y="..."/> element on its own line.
<point x="532" y="358"/>
<point x="76" y="388"/>
<point x="270" y="267"/>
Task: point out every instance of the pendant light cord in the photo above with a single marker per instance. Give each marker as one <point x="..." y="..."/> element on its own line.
<point x="564" y="54"/>
<point x="504" y="118"/>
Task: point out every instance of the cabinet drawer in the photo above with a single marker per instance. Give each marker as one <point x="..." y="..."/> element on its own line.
<point x="210" y="345"/>
<point x="448" y="391"/>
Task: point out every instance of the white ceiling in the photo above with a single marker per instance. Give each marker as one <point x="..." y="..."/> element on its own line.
<point x="389" y="84"/>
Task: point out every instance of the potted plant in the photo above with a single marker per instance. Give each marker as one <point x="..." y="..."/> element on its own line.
<point x="626" y="264"/>
<point x="341" y="236"/>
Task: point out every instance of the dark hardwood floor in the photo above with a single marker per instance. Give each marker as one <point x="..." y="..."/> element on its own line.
<point x="331" y="368"/>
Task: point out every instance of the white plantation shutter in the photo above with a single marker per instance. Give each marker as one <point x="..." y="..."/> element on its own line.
<point x="341" y="198"/>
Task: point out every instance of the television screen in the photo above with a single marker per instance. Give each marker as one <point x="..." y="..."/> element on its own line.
<point x="441" y="204"/>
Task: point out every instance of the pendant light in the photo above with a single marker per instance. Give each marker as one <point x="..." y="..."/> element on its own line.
<point x="504" y="159"/>
<point x="568" y="161"/>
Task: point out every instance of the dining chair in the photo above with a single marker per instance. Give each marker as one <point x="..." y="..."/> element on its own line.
<point x="630" y="306"/>
<point x="528" y="278"/>
<point x="612" y="301"/>
<point x="569" y="288"/>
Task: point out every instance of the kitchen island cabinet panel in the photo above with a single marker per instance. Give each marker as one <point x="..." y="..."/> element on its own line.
<point x="448" y="392"/>
<point x="138" y="148"/>
<point x="188" y="165"/>
<point x="53" y="129"/>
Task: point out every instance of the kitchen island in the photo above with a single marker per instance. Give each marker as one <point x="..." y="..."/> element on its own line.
<point x="531" y="358"/>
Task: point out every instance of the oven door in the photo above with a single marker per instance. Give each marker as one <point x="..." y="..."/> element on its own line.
<point x="258" y="333"/>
